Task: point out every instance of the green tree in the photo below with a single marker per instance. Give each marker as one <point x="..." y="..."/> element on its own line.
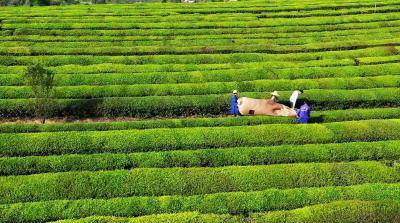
<point x="41" y="80"/>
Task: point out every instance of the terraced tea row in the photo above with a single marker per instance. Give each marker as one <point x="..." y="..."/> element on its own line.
<point x="174" y="60"/>
<point x="189" y="181"/>
<point x="316" y="117"/>
<point x="201" y="42"/>
<point x="9" y="35"/>
<point x="144" y="50"/>
<point x="57" y="60"/>
<point x="85" y="18"/>
<point x="169" y="68"/>
<point x="207" y="31"/>
<point x="221" y="203"/>
<point x="105" y="74"/>
<point x="205" y="88"/>
<point x="325" y="20"/>
<point x="23" y="144"/>
<point x="353" y="210"/>
<point x="241" y="156"/>
<point x="204" y="9"/>
<point x="173" y="106"/>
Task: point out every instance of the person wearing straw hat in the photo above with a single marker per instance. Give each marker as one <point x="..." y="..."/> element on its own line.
<point x="234" y="105"/>
<point x="275" y="96"/>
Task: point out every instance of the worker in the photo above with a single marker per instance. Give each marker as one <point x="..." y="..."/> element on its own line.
<point x="294" y="96"/>
<point x="303" y="113"/>
<point x="234" y="106"/>
<point x="275" y="96"/>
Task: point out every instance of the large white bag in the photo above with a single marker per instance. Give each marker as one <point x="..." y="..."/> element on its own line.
<point x="251" y="106"/>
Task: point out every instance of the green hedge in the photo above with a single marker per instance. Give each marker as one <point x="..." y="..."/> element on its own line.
<point x="382" y="150"/>
<point x="168" y="68"/>
<point x="381" y="7"/>
<point x="222" y="203"/>
<point x="325" y="116"/>
<point x="200" y="41"/>
<point x="216" y="9"/>
<point x="339" y="211"/>
<point x="315" y="36"/>
<point x="157" y="8"/>
<point x="350" y="11"/>
<point x="221" y="43"/>
<point x="147" y="19"/>
<point x="189" y="181"/>
<point x="189" y="105"/>
<point x="23" y="144"/>
<point x="69" y="18"/>
<point x="191" y="59"/>
<point x="353" y="114"/>
<point x="316" y="117"/>
<point x="326" y="20"/>
<point x="78" y="92"/>
<point x="188" y="217"/>
<point x="104" y="74"/>
<point x="207" y="31"/>
<point x="236" y="74"/>
<point x="149" y="50"/>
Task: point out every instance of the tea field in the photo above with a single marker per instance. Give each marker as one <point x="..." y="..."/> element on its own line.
<point x="159" y="78"/>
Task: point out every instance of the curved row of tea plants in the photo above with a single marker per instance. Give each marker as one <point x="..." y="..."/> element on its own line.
<point x="73" y="75"/>
<point x="47" y="143"/>
<point x="308" y="21"/>
<point x="174" y="60"/>
<point x="206" y="31"/>
<point x="220" y="203"/>
<point x="316" y="117"/>
<point x="269" y="36"/>
<point x="58" y="60"/>
<point x="388" y="81"/>
<point x="339" y="211"/>
<point x="189" y="181"/>
<point x="150" y="50"/>
<point x="380" y="150"/>
<point x="173" y="106"/>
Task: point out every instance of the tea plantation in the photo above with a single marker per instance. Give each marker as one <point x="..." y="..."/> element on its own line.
<point x="159" y="77"/>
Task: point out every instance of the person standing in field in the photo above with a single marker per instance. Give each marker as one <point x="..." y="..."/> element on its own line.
<point x="234" y="105"/>
<point x="294" y="96"/>
<point x="303" y="113"/>
<point x="275" y="96"/>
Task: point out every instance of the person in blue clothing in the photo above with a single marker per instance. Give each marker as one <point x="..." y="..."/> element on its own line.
<point x="234" y="106"/>
<point x="304" y="113"/>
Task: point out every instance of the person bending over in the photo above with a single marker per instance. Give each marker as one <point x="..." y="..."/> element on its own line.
<point x="304" y="113"/>
<point x="294" y="96"/>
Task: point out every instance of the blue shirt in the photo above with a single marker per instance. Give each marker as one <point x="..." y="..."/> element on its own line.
<point x="304" y="113"/>
<point x="234" y="107"/>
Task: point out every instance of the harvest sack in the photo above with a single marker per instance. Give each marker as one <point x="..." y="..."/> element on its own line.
<point x="251" y="106"/>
